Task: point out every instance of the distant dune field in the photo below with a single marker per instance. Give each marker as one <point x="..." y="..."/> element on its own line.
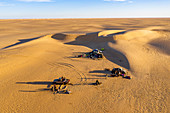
<point x="34" y="52"/>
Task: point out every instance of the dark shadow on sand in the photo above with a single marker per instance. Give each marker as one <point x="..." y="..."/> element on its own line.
<point x="99" y="76"/>
<point x="161" y="45"/>
<point x="97" y="71"/>
<point x="36" y="83"/>
<point x="114" y="34"/>
<point x="21" y="41"/>
<point x="41" y="90"/>
<point x="92" y="41"/>
<point x="93" y="84"/>
<point x="95" y="78"/>
<point x="59" y="36"/>
<point x="48" y="83"/>
<point x="37" y="90"/>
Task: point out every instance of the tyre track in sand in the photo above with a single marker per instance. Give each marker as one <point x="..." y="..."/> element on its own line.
<point x="81" y="74"/>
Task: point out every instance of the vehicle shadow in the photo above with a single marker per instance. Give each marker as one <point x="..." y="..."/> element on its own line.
<point x="37" y="90"/>
<point x="42" y="90"/>
<point x="78" y="84"/>
<point x="48" y="83"/>
<point x="98" y="71"/>
<point x="36" y="82"/>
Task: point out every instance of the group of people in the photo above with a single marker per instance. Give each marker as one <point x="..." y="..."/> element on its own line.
<point x="118" y="72"/>
<point x="60" y="85"/>
<point x="63" y="79"/>
<point x="96" y="53"/>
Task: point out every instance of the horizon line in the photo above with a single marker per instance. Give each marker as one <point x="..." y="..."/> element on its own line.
<point x="80" y="18"/>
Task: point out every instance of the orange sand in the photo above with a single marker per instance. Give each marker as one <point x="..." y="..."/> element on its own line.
<point x="38" y="51"/>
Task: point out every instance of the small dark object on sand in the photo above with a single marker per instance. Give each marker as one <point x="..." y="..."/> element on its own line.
<point x="80" y="55"/>
<point x="98" y="83"/>
<point x="106" y="69"/>
<point x="127" y="77"/>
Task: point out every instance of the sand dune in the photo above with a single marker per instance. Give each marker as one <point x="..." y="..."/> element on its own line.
<point x="37" y="56"/>
<point x="109" y="32"/>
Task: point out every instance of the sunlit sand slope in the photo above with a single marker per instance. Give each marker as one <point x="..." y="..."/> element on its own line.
<point x="29" y="64"/>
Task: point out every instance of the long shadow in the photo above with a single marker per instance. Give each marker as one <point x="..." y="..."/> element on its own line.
<point x="85" y="84"/>
<point x="97" y="71"/>
<point x="21" y="41"/>
<point x="99" y="76"/>
<point x="37" y="90"/>
<point x="41" y="90"/>
<point x="36" y="83"/>
<point x="48" y="83"/>
<point x="101" y="72"/>
<point x="92" y="41"/>
<point x="95" y="78"/>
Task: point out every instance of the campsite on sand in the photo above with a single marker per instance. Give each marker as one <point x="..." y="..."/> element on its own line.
<point x="38" y="55"/>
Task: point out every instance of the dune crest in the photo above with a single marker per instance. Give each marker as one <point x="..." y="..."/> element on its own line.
<point x="140" y="35"/>
<point x="109" y="32"/>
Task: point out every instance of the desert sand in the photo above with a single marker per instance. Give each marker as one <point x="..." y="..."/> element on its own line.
<point x="35" y="52"/>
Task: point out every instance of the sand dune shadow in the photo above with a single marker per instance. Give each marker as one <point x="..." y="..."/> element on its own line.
<point x="93" y="41"/>
<point x="22" y="41"/>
